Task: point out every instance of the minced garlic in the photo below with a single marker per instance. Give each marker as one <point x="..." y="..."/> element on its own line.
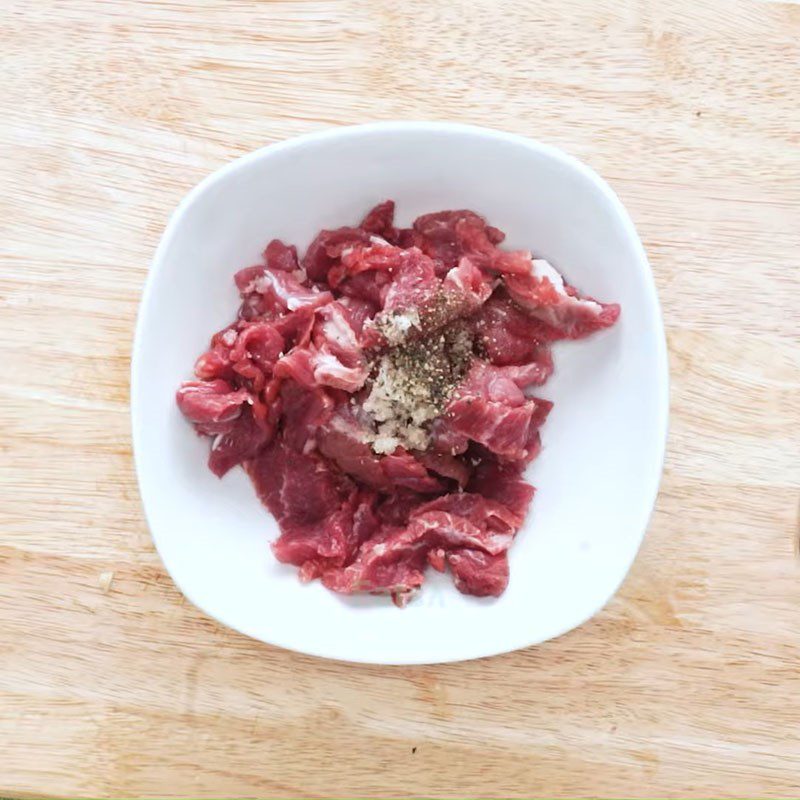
<point x="411" y="385"/>
<point x="395" y="326"/>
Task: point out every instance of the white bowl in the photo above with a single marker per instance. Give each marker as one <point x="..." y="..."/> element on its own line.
<point x="597" y="476"/>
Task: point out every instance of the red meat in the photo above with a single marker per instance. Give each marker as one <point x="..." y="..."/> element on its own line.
<point x="414" y="282"/>
<point x="342" y="439"/>
<point x="358" y="311"/>
<point x="509" y="335"/>
<point x="312" y="503"/>
<point x="544" y="294"/>
<point x="446" y="236"/>
<point x="380" y="221"/>
<point x="470" y="281"/>
<point x="446" y="465"/>
<point x="333" y="358"/>
<point x="279" y="256"/>
<point x="376" y="256"/>
<point x="281" y="391"/>
<point x="393" y="561"/>
<point x="210" y="402"/>
<point x="325" y="250"/>
<point x="296" y="327"/>
<point x="503" y="483"/>
<point x="491" y="409"/>
<point x="478" y="573"/>
<point x="304" y="412"/>
<point x="243" y="440"/>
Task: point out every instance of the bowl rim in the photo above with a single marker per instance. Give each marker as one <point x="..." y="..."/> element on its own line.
<point x="400" y="127"/>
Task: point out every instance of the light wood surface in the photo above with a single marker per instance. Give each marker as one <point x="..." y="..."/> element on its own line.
<point x="687" y="683"/>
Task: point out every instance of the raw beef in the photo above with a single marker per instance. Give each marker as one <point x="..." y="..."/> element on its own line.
<point x="446" y="236"/>
<point x="342" y="439"/>
<point x="377" y="393"/>
<point x="542" y="292"/>
<point x="325" y="251"/>
<point x="478" y="573"/>
<point x="380" y="221"/>
<point x="211" y="403"/>
<point x="509" y="335"/>
<point x="279" y="256"/>
<point x="490" y="408"/>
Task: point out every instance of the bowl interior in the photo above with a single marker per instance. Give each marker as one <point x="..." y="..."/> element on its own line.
<point x="603" y="444"/>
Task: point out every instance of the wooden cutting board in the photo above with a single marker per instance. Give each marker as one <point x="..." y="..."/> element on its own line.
<point x="111" y="684"/>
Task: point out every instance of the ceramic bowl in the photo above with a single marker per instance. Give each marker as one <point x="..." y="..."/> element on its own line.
<point x="603" y="444"/>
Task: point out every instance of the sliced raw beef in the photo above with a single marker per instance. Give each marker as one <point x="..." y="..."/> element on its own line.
<point x="503" y="482"/>
<point x="403" y="471"/>
<point x="508" y="263"/>
<point x="368" y="286"/>
<point x="333" y="358"/>
<point x="449" y="236"/>
<point x="543" y="293"/>
<point x="245" y="278"/>
<point x="269" y="293"/>
<point x="259" y="342"/>
<point x="305" y="411"/>
<point x="243" y="440"/>
<point x="491" y="409"/>
<point x="298" y="365"/>
<point x="376" y="256"/>
<point x="330" y="371"/>
<point x="489" y="515"/>
<point x="452" y="530"/>
<point x="334" y="334"/>
<point x="418" y="303"/>
<point x="379" y="221"/>
<point x="504" y="430"/>
<point x="388" y="563"/>
<point x="247" y="352"/>
<point x="325" y="545"/>
<point x="501" y="384"/>
<point x="376" y="393"/>
<point x="279" y="256"/>
<point x="325" y="251"/>
<point x="216" y="361"/>
<point x="446" y="465"/>
<point x="393" y="562"/>
<point x="296" y="327"/>
<point x="344" y="440"/>
<point x="395" y="509"/>
<point x="446" y="236"/>
<point x="478" y="573"/>
<point x="470" y="281"/>
<point x="497" y="384"/>
<point x="414" y="281"/>
<point x="311" y="501"/>
<point x="338" y="359"/>
<point x="210" y="402"/>
<point x="437" y="558"/>
<point x="509" y="335"/>
<point x="446" y="440"/>
<point x="311" y="367"/>
<point x="287" y="290"/>
<point x="358" y="311"/>
<point x="407" y="304"/>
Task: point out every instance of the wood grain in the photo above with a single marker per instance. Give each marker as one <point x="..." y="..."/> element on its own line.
<point x="687" y="683"/>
